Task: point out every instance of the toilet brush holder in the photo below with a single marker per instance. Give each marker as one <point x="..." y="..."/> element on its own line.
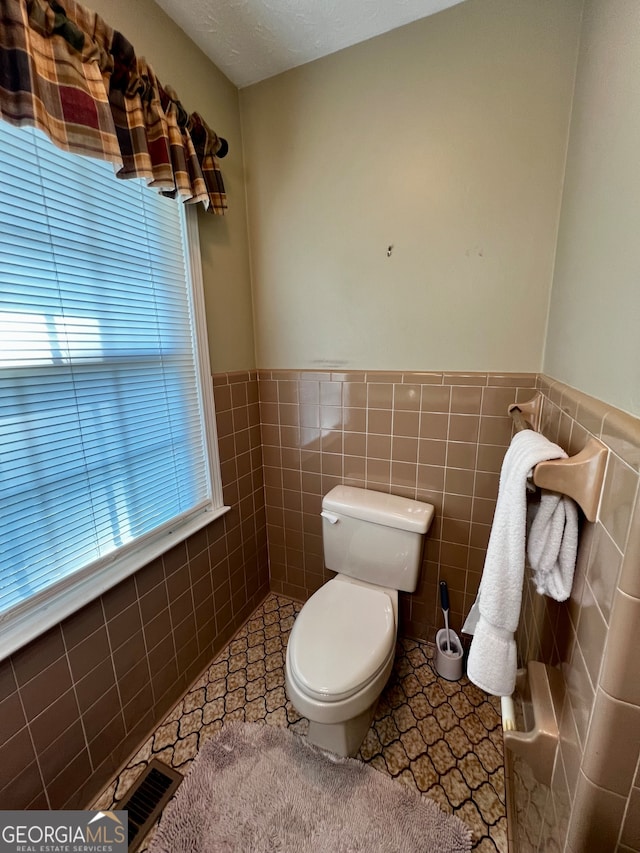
<point x="449" y="654"/>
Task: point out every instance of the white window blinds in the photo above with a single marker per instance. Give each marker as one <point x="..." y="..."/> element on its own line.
<point x="102" y="438"/>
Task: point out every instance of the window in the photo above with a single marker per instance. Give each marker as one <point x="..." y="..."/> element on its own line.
<point x="104" y="459"/>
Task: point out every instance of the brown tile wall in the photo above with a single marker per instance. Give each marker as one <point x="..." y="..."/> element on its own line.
<point x="78" y="700"/>
<point x="593" y="803"/>
<point x="436" y="437"/>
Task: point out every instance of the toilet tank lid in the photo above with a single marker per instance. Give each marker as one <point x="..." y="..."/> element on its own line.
<point x="379" y="508"/>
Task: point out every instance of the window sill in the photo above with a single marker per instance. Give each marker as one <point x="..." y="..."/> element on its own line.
<point x="19" y="628"/>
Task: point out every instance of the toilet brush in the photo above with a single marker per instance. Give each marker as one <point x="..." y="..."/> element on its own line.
<point x="444" y="602"/>
<point x="449" y="650"/>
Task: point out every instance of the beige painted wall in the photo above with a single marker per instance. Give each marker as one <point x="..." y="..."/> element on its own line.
<point x="202" y="87"/>
<point x="593" y="340"/>
<point x="445" y="139"/>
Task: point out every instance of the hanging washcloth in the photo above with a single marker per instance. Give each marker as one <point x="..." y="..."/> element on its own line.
<point x="494" y="616"/>
<point x="552" y="545"/>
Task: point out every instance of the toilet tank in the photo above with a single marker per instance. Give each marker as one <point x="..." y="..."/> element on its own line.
<point x="374" y="537"/>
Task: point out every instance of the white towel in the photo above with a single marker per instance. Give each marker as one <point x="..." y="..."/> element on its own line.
<point x="552" y="545"/>
<point x="494" y="616"/>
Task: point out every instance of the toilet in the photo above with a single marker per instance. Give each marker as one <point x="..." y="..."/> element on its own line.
<point x="342" y="645"/>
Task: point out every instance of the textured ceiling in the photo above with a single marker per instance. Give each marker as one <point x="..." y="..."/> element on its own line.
<point x="250" y="40"/>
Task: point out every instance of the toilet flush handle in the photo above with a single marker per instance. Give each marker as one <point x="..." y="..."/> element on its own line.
<point x="330" y="516"/>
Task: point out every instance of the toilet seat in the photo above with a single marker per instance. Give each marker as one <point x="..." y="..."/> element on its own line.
<point x="341" y="640"/>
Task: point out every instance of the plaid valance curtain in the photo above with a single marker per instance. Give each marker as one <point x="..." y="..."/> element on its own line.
<point x="68" y="73"/>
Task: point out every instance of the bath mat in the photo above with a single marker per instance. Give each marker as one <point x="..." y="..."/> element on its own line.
<point x="256" y="788"/>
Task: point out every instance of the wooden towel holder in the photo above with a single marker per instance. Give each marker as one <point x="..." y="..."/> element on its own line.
<point x="580" y="476"/>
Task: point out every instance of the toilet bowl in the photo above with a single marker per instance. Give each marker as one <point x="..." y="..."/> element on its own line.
<point x="342" y="645"/>
<point x="339" y="658"/>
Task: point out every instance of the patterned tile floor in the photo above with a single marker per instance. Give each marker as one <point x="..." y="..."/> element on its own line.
<point x="443" y="738"/>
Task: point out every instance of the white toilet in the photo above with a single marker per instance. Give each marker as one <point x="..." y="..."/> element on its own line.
<point x="342" y="645"/>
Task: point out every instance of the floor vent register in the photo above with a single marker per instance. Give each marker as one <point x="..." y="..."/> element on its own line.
<point x="146" y="798"/>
